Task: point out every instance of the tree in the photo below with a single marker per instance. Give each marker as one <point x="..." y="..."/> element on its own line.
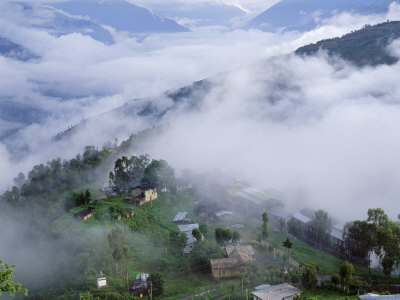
<point x="288" y="244"/>
<point x="203" y="251"/>
<point x="235" y="236"/>
<point x="166" y="239"/>
<point x="346" y="274"/>
<point x="264" y="232"/>
<point x="335" y="279"/>
<point x="197" y="234"/>
<point x="204" y="229"/>
<point x="128" y="172"/>
<point x="309" y="276"/>
<point x="159" y="173"/>
<point x="323" y="224"/>
<point x="156" y="284"/>
<point x="120" y="251"/>
<point x="182" y="241"/>
<point x="7" y="284"/>
<point x="223" y="235"/>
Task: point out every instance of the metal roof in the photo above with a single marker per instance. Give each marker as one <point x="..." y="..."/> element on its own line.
<point x="302" y="218"/>
<point x="223" y="213"/>
<point x="180" y="216"/>
<point x="380" y="297"/>
<point x="187" y="227"/>
<point x="276" y="292"/>
<point x="337" y="234"/>
<point x="280" y="212"/>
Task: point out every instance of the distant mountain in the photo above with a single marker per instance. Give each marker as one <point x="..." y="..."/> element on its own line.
<point x="13" y="50"/>
<point x="62" y="24"/>
<point x="302" y="14"/>
<point x="367" y="46"/>
<point x="200" y="14"/>
<point x="121" y="15"/>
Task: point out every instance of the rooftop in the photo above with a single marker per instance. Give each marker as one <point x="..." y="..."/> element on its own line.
<point x="187" y="227"/>
<point x="180" y="216"/>
<point x="245" y="253"/>
<point x="280" y="212"/>
<point x="337" y="234"/>
<point x="380" y="297"/>
<point x="224" y="263"/>
<point x="223" y="213"/>
<point x="302" y="218"/>
<point x="276" y="292"/>
<point x="145" y="186"/>
<point x="83" y="213"/>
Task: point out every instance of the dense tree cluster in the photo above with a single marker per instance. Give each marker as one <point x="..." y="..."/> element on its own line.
<point x="377" y="235"/>
<point x="129" y="172"/>
<point x="45" y="181"/>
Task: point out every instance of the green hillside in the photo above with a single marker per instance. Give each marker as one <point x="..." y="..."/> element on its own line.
<point x="367" y="46"/>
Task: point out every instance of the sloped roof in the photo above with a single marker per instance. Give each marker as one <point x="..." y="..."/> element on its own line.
<point x="337" y="234"/>
<point x="224" y="263"/>
<point x="280" y="212"/>
<point x="276" y="292"/>
<point x="83" y="213"/>
<point x="223" y="213"/>
<point x="245" y="253"/>
<point x="145" y="186"/>
<point x="187" y="227"/>
<point x="379" y="297"/>
<point x="302" y="218"/>
<point x="180" y="216"/>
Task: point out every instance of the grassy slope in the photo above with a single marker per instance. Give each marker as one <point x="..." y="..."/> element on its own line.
<point x="146" y="238"/>
<point x="303" y="253"/>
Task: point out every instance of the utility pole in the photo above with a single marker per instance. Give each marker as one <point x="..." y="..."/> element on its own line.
<point x="242" y="283"/>
<point x="247" y="295"/>
<point x="218" y="271"/>
<point x="151" y="290"/>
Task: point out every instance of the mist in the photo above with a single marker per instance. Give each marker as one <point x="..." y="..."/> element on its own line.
<point x="312" y="126"/>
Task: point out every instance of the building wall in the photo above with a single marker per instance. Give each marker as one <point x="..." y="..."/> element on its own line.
<point x="228" y="272"/>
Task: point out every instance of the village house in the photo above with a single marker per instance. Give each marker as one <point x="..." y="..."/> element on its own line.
<point x="140" y="285"/>
<point x="101" y="280"/>
<point x="181" y="218"/>
<point x="244" y="253"/>
<point x="235" y="262"/>
<point x="188" y="228"/>
<point x="143" y="193"/>
<point x="371" y="296"/>
<point x="336" y="239"/>
<point x="224" y="215"/>
<point x="282" y="291"/>
<point x="278" y="217"/>
<point x="227" y="267"/>
<point x="84" y="214"/>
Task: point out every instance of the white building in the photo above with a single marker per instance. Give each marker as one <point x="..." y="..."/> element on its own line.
<point x="188" y="228"/>
<point x="101" y="280"/>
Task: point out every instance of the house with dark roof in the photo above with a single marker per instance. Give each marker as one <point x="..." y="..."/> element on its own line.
<point x="140" y="285"/>
<point x="143" y="193"/>
<point x="282" y="291"/>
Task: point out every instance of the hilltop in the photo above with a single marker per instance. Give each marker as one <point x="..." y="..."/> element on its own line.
<point x="367" y="46"/>
<point x="305" y="14"/>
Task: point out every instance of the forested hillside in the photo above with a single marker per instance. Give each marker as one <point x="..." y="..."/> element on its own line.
<point x="367" y="46"/>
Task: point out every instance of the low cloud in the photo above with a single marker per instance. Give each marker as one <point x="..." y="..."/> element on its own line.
<point x="289" y="123"/>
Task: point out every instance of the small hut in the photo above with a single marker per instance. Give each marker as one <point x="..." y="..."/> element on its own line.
<point x="101" y="280"/>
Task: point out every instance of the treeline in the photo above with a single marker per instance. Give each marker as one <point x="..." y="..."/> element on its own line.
<point x="45" y="181"/>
